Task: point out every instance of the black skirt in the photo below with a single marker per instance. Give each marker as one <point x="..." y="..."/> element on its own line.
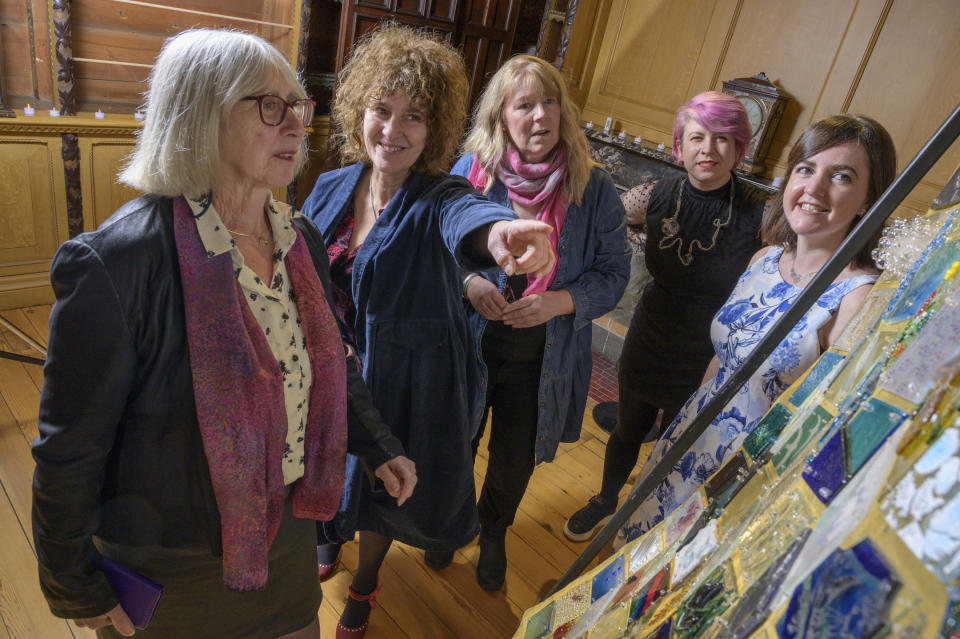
<point x="196" y="604"/>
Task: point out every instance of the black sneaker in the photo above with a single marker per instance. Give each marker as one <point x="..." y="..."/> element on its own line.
<point x="584" y="523"/>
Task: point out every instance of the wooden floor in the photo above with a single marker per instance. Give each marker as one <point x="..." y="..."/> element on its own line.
<point x="415" y="601"/>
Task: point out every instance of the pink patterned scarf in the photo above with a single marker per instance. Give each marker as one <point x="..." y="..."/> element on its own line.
<point x="240" y="407"/>
<point x="531" y="184"/>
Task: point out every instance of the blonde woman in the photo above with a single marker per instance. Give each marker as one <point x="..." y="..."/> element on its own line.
<point x="526" y="151"/>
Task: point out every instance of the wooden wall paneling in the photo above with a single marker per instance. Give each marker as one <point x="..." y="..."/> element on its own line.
<point x="651" y="58"/>
<point x="33" y="213"/>
<point x="801" y="52"/>
<point x="26" y="53"/>
<point x="911" y="95"/>
<point x="585" y="39"/>
<point x="116" y="41"/>
<point x="101" y="159"/>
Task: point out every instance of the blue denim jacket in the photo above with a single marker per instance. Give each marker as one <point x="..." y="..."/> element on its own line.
<point x="594" y="266"/>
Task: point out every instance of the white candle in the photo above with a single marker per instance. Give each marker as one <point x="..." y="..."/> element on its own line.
<point x="54" y="113"/>
<point x="138" y="115"/>
<point x="661" y="147"/>
<point x="622" y="135"/>
<point x="28" y="110"/>
<point x="608" y="124"/>
<point x="637" y="140"/>
<point x="98" y="115"/>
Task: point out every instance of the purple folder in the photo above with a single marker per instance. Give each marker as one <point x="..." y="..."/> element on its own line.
<point x="139" y="596"/>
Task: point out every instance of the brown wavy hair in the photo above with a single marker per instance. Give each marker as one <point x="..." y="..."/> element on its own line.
<point x="824" y="134"/>
<point x="399" y="58"/>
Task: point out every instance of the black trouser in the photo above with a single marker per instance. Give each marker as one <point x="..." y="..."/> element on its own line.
<point x="636" y="416"/>
<point x="512" y="388"/>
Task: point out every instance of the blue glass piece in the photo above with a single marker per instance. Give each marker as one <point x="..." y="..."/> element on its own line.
<point x="867" y="430"/>
<point x="826" y="472"/>
<point x="950" y="627"/>
<point x="923" y="282"/>
<point x="846" y="597"/>
<point x="827" y="362"/>
<point x="607" y="579"/>
<point x="665" y="631"/>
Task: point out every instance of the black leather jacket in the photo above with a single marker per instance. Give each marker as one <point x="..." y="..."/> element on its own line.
<point x="119" y="454"/>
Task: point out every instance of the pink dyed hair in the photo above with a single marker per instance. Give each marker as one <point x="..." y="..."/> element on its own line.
<point x="718" y="113"/>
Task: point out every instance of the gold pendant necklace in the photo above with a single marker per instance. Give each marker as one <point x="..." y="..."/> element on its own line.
<point x="670" y="227"/>
<point x="261" y="238"/>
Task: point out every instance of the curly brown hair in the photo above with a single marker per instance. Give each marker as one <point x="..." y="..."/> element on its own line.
<point x="399" y="58"/>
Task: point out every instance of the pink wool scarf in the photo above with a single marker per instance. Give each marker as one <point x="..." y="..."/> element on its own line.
<point x="238" y="390"/>
<point x="531" y="184"/>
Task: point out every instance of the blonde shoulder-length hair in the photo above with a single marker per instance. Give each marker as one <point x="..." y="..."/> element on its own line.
<point x="488" y="138"/>
<point x="199" y="76"/>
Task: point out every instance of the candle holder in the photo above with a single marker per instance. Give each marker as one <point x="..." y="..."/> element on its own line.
<point x="29" y="111"/>
<point x="98" y="115"/>
<point x="54" y="113"/>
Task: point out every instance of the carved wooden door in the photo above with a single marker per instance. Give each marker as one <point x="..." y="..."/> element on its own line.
<point x="482" y="29"/>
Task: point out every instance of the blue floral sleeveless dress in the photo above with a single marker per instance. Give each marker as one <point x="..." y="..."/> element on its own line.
<point x="759" y="298"/>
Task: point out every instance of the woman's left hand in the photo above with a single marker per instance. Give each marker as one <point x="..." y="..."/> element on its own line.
<point x="537" y="308"/>
<point x="399" y="476"/>
<point x="521" y="246"/>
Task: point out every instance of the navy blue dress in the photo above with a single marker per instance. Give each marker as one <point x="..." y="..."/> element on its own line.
<point x="416" y="348"/>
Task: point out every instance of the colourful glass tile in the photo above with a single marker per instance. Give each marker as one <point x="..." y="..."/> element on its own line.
<point x="869" y="428"/>
<point x="540" y="624"/>
<point x="706" y="603"/>
<point x="607" y="579"/>
<point x="759" y="441"/>
<point x="818" y="420"/>
<point x="724" y="484"/>
<point x="950" y="627"/>
<point x="924" y="282"/>
<point x="845" y="597"/>
<point x="825" y="473"/>
<point x="754" y="606"/>
<point x="818" y="372"/>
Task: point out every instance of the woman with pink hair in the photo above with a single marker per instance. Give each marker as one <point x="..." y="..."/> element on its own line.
<point x="702" y="228"/>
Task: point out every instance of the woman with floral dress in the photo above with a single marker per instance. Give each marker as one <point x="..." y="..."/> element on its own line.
<point x="836" y="170"/>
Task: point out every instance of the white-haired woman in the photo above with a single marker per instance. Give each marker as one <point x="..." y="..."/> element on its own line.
<point x="527" y="151"/>
<point x="197" y="429"/>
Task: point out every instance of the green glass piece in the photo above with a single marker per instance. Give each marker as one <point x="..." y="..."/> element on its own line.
<point x="800" y="441"/>
<point x="766" y="431"/>
<point x="868" y="429"/>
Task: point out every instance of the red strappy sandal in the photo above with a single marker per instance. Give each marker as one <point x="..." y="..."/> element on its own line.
<point x="357" y="633"/>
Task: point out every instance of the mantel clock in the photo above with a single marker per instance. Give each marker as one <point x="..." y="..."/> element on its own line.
<point x="764" y="103"/>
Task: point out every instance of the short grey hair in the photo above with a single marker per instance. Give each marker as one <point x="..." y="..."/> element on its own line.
<point x="199" y="76"/>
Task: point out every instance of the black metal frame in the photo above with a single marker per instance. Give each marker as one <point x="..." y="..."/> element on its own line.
<point x="871" y="223"/>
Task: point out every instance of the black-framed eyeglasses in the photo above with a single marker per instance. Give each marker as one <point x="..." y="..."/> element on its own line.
<point x="273" y="109"/>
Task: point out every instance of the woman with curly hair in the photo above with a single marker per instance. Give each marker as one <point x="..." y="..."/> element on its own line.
<point x="399" y="230"/>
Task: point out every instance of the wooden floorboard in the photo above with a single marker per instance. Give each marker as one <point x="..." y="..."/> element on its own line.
<point x="415" y="601"/>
